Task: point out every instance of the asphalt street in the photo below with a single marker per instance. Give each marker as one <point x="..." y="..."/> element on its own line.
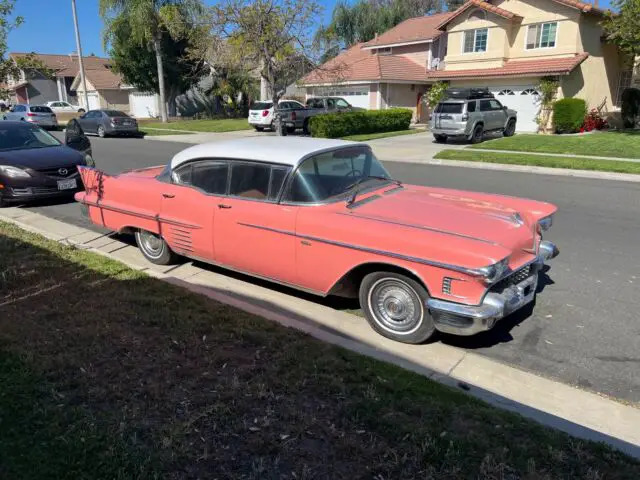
<point x="585" y="327"/>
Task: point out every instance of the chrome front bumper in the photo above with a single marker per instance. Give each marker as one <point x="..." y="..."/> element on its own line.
<point x="459" y="319"/>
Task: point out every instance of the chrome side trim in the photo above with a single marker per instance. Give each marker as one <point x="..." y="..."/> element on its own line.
<point x="384" y="253"/>
<point x="421" y="227"/>
<point x="157" y="218"/>
<point x="255" y="275"/>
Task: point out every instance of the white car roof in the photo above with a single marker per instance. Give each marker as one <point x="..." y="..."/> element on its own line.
<point x="285" y="150"/>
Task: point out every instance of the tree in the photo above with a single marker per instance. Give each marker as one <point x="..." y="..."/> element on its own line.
<point x="623" y="28"/>
<point x="148" y="21"/>
<point x="272" y="35"/>
<point x="138" y="65"/>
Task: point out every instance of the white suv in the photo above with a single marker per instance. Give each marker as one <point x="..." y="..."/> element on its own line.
<point x="261" y="113"/>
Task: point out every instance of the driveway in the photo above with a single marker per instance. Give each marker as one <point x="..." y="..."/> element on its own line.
<point x="584" y="329"/>
<point x="411" y="148"/>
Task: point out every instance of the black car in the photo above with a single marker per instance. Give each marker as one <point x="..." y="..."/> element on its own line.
<point x="34" y="164"/>
<point x="109" y="122"/>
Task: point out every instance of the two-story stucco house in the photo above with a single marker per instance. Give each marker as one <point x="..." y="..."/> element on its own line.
<point x="506" y="45"/>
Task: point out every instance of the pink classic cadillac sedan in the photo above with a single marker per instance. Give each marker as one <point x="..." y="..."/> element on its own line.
<point x="324" y="216"/>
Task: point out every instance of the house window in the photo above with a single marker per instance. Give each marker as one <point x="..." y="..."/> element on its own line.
<point x="477" y="14"/>
<point x="624" y="82"/>
<point x="384" y="51"/>
<point x="542" y="35"/>
<point x="475" y="40"/>
<point x="506" y="91"/>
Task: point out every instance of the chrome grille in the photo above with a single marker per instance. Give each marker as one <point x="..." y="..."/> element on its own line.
<point x="516" y="277"/>
<point x="55" y="172"/>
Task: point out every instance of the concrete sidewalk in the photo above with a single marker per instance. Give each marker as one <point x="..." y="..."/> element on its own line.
<point x="580" y="413"/>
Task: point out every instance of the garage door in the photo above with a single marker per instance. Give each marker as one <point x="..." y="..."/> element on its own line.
<point x="143" y="105"/>
<point x="523" y="99"/>
<point x="94" y="101"/>
<point x="356" y="96"/>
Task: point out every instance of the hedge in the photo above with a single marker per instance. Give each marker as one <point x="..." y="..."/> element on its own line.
<point x="568" y="114"/>
<point x="336" y="125"/>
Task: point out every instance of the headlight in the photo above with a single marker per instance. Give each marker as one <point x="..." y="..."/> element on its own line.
<point x="495" y="271"/>
<point x="89" y="161"/>
<point x="545" y="223"/>
<point x="13" y="172"/>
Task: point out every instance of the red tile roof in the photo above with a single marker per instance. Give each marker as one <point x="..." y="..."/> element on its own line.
<point x="515" y="68"/>
<point x="412" y="30"/>
<point x="66" y="65"/>
<point x="484" y="6"/>
<point x="356" y="64"/>
<point x="585" y="7"/>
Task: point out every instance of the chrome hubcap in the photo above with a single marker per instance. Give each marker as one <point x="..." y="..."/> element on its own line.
<point x="152" y="244"/>
<point x="395" y="306"/>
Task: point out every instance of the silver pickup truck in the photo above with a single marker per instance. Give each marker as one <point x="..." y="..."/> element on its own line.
<point x="295" y="118"/>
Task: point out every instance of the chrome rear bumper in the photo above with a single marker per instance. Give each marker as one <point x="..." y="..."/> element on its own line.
<point x="459" y="319"/>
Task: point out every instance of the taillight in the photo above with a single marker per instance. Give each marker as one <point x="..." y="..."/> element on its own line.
<point x="31" y="115"/>
<point x="265" y="113"/>
<point x="293" y="115"/>
<point x="465" y="117"/>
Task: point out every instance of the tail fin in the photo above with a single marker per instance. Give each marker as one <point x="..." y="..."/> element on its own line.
<point x="92" y="179"/>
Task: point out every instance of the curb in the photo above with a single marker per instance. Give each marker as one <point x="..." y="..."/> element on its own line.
<point x="582" y="414"/>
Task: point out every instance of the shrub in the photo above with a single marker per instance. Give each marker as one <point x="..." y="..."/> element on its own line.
<point x="569" y="114"/>
<point x="630" y="109"/>
<point x="336" y="125"/>
<point x="594" y="121"/>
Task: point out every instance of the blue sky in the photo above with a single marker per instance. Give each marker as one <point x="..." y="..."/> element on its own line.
<point x="48" y="26"/>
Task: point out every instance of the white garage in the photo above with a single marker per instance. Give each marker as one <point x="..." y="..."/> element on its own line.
<point x="143" y="105"/>
<point x="358" y="96"/>
<point x="524" y="99"/>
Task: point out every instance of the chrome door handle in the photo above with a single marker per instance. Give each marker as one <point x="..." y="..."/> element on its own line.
<point x="168" y="195"/>
<point x="222" y="205"/>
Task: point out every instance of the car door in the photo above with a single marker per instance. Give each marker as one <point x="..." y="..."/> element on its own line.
<point x="500" y="115"/>
<point x="488" y="114"/>
<point x="16" y="113"/>
<point x="85" y="122"/>
<point x="252" y="232"/>
<point x="189" y="204"/>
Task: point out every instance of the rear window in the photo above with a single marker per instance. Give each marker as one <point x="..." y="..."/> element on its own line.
<point x="115" y="113"/>
<point x="261" y="105"/>
<point x="39" y="109"/>
<point x="449" y="108"/>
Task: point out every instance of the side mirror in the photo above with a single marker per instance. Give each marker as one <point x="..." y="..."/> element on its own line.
<point x="74" y="137"/>
<point x="504" y="107"/>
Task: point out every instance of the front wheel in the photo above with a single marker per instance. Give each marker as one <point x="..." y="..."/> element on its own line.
<point x="511" y="129"/>
<point x="81" y="110"/>
<point x="154" y="248"/>
<point x="101" y="132"/>
<point x="258" y="129"/>
<point x="395" y="307"/>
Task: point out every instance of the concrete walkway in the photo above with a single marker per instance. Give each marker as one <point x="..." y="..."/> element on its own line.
<point x="577" y="412"/>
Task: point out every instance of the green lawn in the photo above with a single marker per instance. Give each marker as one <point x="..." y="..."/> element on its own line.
<point x="106" y="373"/>
<point x="147" y="132"/>
<point x="601" y="144"/>
<point x="223" y="125"/>
<point x="374" y="136"/>
<point x="619" y="166"/>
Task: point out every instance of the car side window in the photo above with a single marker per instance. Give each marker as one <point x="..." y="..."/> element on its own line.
<point x="278" y="174"/>
<point x="485" y="106"/>
<point x="182" y="175"/>
<point x="210" y="176"/>
<point x="495" y="105"/>
<point x="250" y="181"/>
<point x="471" y="107"/>
<point x="342" y="103"/>
<point x="331" y="103"/>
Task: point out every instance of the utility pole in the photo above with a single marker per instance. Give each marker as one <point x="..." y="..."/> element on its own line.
<point x="79" y="47"/>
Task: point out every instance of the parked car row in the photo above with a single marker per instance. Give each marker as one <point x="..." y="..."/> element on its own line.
<point x="293" y="114"/>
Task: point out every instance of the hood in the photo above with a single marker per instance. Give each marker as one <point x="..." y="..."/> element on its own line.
<point x="39" y="158"/>
<point x="487" y="219"/>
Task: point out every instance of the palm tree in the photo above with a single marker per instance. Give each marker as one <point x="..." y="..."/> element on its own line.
<point x="148" y="19"/>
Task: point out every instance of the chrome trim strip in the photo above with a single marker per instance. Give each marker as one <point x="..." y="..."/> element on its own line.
<point x="384" y="253"/>
<point x="421" y="227"/>
<point x="177" y="223"/>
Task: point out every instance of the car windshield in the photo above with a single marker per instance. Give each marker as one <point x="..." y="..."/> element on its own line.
<point x="39" y="109"/>
<point x="261" y="105"/>
<point x="449" y="108"/>
<point x="115" y="113"/>
<point x="335" y="174"/>
<point x="22" y="137"/>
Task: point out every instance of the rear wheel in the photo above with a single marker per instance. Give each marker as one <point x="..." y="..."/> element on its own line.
<point x="478" y="133"/>
<point x="101" y="132"/>
<point x="81" y="110"/>
<point x="291" y="129"/>
<point x="305" y="127"/>
<point x="395" y="307"/>
<point x="440" y="138"/>
<point x="154" y="248"/>
<point x="511" y="128"/>
<point x="258" y="129"/>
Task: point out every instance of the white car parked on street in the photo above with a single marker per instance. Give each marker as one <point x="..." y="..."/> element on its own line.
<point x="261" y="113"/>
<point x="60" y="107"/>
